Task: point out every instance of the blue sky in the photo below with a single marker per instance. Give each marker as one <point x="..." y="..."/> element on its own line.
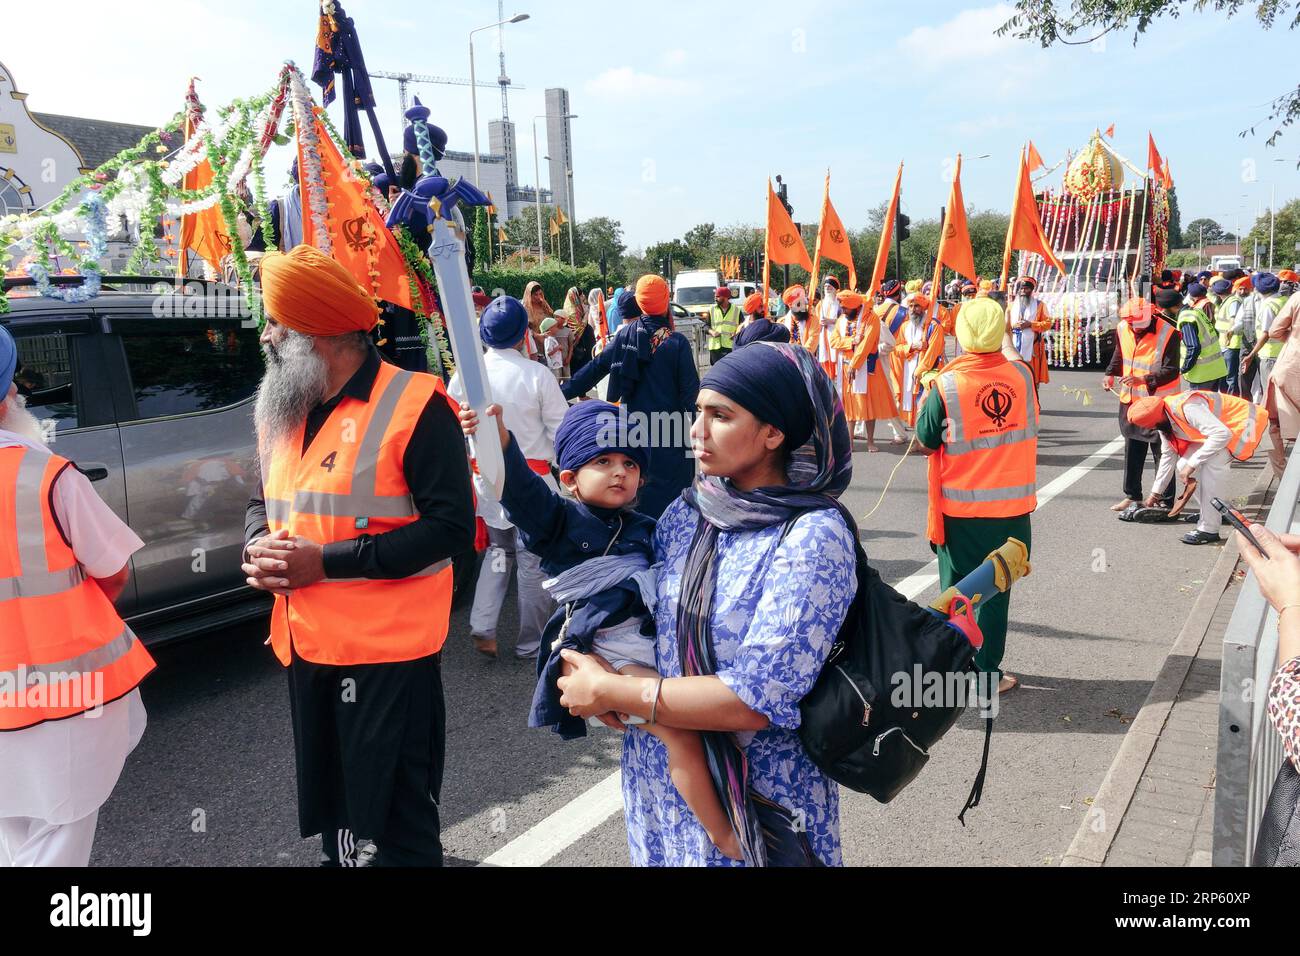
<point x="685" y="108"/>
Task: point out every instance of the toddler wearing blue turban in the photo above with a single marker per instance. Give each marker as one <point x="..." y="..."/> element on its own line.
<point x="599" y="555"/>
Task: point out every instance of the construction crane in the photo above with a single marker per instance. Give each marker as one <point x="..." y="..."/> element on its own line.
<point x="404" y="78"/>
<point x="503" y="81"/>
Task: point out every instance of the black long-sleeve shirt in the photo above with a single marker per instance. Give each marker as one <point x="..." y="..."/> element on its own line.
<point x="436" y="471"/>
<point x="1166" y="369"/>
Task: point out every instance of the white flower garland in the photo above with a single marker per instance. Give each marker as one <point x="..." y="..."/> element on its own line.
<point x="187" y="157"/>
<point x="304" y="122"/>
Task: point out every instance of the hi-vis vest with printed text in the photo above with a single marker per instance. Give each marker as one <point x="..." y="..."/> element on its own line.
<point x="350" y="482"/>
<point x="63" y="648"/>
<point x="1246" y="420"/>
<point x="990" y="451"/>
<point x="1141" y="356"/>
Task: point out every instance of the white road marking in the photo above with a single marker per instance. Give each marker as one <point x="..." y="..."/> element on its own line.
<point x="585" y="812"/>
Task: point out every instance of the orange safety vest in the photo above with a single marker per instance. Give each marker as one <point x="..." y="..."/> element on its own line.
<point x="1246" y="420"/>
<point x="347" y="483"/>
<point x="1142" y="355"/>
<point x="63" y="648"/>
<point x="988" y="462"/>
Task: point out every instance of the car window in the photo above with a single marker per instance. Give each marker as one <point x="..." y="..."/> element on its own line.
<point x="44" y="378"/>
<point x="177" y="373"/>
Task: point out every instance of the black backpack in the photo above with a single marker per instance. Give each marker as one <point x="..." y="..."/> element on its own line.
<point x="850" y="727"/>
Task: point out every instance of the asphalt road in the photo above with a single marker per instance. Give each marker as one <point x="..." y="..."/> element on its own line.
<point x="212" y="783"/>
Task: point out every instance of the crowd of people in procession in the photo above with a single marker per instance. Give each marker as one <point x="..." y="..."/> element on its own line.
<point x="686" y="592"/>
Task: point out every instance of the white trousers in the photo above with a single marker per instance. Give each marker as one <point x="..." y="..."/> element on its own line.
<point x="506" y="552"/>
<point x="27" y="841"/>
<point x="1211" y="481"/>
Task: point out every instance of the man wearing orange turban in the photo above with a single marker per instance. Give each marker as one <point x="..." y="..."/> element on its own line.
<point x="364" y="500"/>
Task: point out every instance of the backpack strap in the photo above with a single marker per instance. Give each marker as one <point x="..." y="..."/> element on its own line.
<point x="977" y="788"/>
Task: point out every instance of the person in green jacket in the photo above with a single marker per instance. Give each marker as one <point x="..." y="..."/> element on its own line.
<point x="724" y="318"/>
<point x="1267" y="348"/>
<point x="1203" y="366"/>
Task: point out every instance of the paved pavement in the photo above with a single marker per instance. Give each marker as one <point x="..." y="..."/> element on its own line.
<point x="212" y="782"/>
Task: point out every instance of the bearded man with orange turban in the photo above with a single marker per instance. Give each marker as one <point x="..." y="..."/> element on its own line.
<point x="865" y="385"/>
<point x="364" y="499"/>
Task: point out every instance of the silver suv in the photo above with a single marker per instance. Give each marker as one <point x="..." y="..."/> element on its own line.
<point x="157" y="412"/>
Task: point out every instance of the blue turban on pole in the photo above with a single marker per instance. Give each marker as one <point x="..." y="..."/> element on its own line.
<point x="764" y="382"/>
<point x="1266" y="283"/>
<point x="8" y="361"/>
<point x="590" y="429"/>
<point x="503" y="323"/>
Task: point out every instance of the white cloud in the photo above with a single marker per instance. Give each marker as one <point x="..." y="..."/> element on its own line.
<point x="675" y="57"/>
<point x="624" y="82"/>
<point x="971" y="35"/>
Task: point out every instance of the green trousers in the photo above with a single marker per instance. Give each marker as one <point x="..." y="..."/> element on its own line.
<point x="969" y="541"/>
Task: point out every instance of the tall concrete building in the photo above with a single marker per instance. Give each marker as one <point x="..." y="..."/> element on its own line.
<point x="559" y="146"/>
<point x="501" y="142"/>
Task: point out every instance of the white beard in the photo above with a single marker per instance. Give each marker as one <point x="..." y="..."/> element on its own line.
<point x="20" y="421"/>
<point x="294" y="383"/>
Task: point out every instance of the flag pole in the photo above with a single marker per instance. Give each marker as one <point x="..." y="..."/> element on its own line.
<point x="767" y="239"/>
<point x="817" y="246"/>
<point x="938" y="253"/>
<point x="1011" y="224"/>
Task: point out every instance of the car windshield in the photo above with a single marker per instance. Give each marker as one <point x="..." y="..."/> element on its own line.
<point x="696" y="295"/>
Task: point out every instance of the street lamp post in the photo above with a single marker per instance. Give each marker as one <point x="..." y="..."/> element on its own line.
<point x="568" y="173"/>
<point x="473" y="88"/>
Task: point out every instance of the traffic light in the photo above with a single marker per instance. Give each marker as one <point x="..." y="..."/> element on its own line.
<point x="903" y="222"/>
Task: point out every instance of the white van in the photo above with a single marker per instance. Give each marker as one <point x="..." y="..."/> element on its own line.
<point x="693" y="290"/>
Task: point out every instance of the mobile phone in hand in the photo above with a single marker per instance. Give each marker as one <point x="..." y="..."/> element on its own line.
<point x="1238" y="521"/>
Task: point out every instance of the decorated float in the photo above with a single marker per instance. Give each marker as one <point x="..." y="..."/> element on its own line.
<point x="1111" y="231"/>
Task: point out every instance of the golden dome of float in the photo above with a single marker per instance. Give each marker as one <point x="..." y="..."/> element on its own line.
<point x="1095" y="170"/>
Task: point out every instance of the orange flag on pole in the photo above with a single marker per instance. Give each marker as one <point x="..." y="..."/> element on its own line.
<point x="954" y="245"/>
<point x="832" y="240"/>
<point x="784" y="245"/>
<point x="204" y="232"/>
<point x="1035" y="160"/>
<point x="358" y="237"/>
<point x="1025" y="230"/>
<point x="1165" y="176"/>
<point x="1154" y="162"/>
<point x="1110" y="131"/>
<point x="886" y="236"/>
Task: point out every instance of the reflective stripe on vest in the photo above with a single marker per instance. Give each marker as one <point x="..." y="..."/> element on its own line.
<point x="1209" y="364"/>
<point x="1244" y="419"/>
<point x="971" y="462"/>
<point x="358" y="620"/>
<point x="1141" y="356"/>
<point x="1223" y="317"/>
<point x="63" y="648"/>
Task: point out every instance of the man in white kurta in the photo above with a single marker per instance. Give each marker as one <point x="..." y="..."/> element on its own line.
<point x="828" y="313"/>
<point x="55" y="776"/>
<point x="532" y="407"/>
<point x="1023" y="312"/>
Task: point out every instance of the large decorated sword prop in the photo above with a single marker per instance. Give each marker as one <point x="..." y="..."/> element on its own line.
<point x="447" y="252"/>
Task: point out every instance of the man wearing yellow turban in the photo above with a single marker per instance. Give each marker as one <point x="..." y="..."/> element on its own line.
<point x="979" y="425"/>
<point x="364" y="499"/>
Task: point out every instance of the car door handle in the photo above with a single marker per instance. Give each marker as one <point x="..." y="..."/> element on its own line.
<point x="94" y="470"/>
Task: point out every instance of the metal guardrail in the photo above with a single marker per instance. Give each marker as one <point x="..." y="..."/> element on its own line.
<point x="1249" y="748"/>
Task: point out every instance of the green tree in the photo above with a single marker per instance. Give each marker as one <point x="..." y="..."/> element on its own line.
<point x="521" y="232"/>
<point x="1286" y="234"/>
<point x="481" y="235"/>
<point x="1175" y="220"/>
<point x="700" y="240"/>
<point x="1091" y="19"/>
<point x="681" y="254"/>
<point x="1203" y="232"/>
<point x="596" y="237"/>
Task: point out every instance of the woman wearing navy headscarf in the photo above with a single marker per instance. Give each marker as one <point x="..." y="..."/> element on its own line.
<point x="652" y="374"/>
<point x="757" y="575"/>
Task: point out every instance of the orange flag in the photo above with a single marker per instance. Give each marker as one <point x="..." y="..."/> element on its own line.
<point x="784" y="244"/>
<point x="1110" y="131"/>
<point x="1035" y="160"/>
<point x="954" y="245"/>
<point x="1154" y="162"/>
<point x="358" y="237"/>
<point x="886" y="236"/>
<point x="203" y="233"/>
<point x="1165" y="177"/>
<point x="832" y="240"/>
<point x="1025" y="231"/>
